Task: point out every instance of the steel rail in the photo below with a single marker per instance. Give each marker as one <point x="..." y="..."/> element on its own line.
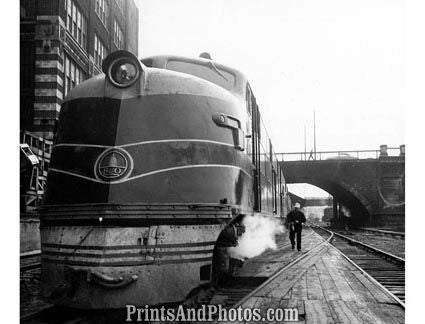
<point x="385" y="254"/>
<point x="383" y="232"/>
<point x="376" y="251"/>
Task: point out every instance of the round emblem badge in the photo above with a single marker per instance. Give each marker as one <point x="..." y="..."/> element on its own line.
<point x="113" y="164"/>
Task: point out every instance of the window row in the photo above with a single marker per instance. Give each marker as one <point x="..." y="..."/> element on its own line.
<point x="101" y="9"/>
<point x="73" y="75"/>
<point x="76" y="23"/>
<point x="118" y="36"/>
<point x="100" y="51"/>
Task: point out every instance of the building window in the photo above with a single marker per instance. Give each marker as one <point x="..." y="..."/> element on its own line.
<point x="120" y="4"/>
<point x="99" y="51"/>
<point x="73" y="75"/>
<point x="28" y="8"/>
<point x="118" y="35"/>
<point x="76" y="23"/>
<point x="101" y="10"/>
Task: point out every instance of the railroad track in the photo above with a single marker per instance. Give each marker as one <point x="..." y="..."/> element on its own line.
<point x="384" y="267"/>
<point x="382" y="232"/>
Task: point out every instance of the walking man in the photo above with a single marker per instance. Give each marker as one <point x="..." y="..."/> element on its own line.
<point x="294" y="221"/>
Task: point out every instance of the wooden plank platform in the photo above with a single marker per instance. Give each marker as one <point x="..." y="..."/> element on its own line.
<point x="325" y="288"/>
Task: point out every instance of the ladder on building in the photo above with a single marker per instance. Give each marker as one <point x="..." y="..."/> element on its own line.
<point x="33" y="189"/>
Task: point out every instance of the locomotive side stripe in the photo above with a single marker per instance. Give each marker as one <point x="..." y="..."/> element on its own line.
<point x="124" y="255"/>
<point x="152" y="172"/>
<point x="144" y="143"/>
<point x="126" y="247"/>
<point x="126" y="263"/>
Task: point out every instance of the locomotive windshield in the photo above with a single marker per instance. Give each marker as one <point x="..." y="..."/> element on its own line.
<point x="207" y="72"/>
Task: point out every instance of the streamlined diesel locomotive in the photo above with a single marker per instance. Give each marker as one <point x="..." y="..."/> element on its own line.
<point x="155" y="163"/>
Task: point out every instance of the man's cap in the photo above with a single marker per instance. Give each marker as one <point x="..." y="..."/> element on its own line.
<point x="297" y="205"/>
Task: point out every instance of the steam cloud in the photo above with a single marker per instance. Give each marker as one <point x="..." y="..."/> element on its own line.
<point x="260" y="234"/>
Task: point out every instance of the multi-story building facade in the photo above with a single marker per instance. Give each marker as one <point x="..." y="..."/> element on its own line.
<point x="63" y="42"/>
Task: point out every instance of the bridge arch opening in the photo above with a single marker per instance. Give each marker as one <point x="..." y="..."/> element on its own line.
<point x="316" y="203"/>
<point x="348" y="205"/>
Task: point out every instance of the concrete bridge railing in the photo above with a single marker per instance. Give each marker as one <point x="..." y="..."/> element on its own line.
<point x="383" y="152"/>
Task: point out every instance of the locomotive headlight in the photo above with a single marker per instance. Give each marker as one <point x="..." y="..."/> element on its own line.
<point x="123" y="72"/>
<point x="122" y="68"/>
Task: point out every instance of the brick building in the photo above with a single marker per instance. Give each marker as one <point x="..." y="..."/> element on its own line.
<point x="63" y="42"/>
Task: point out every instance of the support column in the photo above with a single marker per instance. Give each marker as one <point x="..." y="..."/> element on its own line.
<point x="335" y="211"/>
<point x="48" y="74"/>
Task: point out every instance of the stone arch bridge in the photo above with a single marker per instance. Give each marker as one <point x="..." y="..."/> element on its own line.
<point x="368" y="183"/>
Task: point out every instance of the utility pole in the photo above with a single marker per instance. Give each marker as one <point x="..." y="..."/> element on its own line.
<point x="305" y="143"/>
<point x="314" y="130"/>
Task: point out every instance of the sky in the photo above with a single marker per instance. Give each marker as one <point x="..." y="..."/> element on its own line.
<point x="342" y="59"/>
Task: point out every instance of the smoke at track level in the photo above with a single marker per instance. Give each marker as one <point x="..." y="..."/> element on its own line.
<point x="260" y="235"/>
